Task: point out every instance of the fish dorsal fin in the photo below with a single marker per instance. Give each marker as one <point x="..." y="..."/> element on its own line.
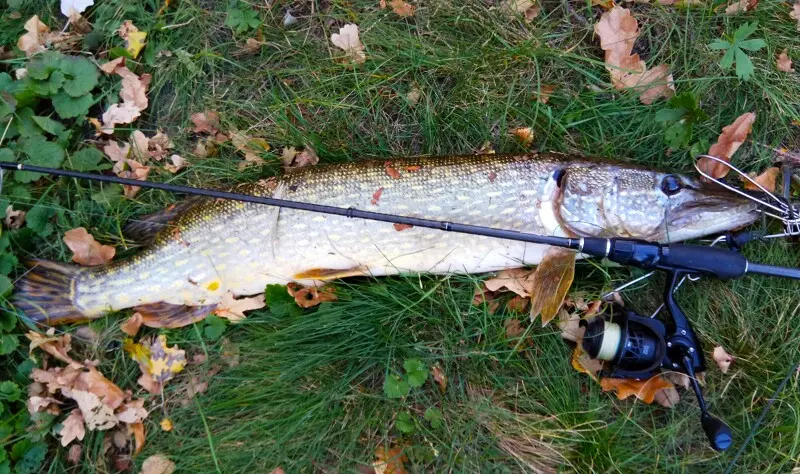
<point x="551" y="282"/>
<point x="144" y="229"/>
<point x="165" y="315"/>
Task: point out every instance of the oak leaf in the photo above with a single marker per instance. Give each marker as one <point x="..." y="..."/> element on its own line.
<point x="250" y="147"/>
<point x="729" y="141"/>
<point x="233" y="309"/>
<point x="347" y="40"/>
<point x="784" y="63"/>
<point x="644" y="390"/>
<point x="722" y="358"/>
<point x="86" y="250"/>
<point x="585" y="364"/>
<point x="34" y="39"/>
<point x="72" y="427"/>
<point x="98" y="415"/>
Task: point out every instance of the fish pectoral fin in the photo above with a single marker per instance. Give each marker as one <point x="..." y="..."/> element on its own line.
<point x="144" y="229"/>
<point x="325" y="274"/>
<point x="165" y="315"/>
<point x="551" y="282"/>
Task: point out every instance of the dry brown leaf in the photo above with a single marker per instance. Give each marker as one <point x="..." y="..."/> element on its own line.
<point x="34" y="39"/>
<point x="132" y="412"/>
<point x="795" y="13"/>
<point x="119" y="114"/>
<point x="768" y="179"/>
<point x="402" y="8"/>
<point x="56" y="346"/>
<point x="138" y="437"/>
<point x="728" y="142"/>
<point x="667" y="397"/>
<point x="74" y="454"/>
<point x="250" y="147"/>
<point x="137" y="171"/>
<point x="277" y="470"/>
<point x="570" y="325"/>
<point x="413" y="96"/>
<point x="530" y="9"/>
<point x="618" y="30"/>
<point x="206" y="122"/>
<point x="550" y="283"/>
<point x="517" y="280"/>
<point x="644" y="390"/>
<point x="544" y="93"/>
<point x="517" y="304"/>
<point x="585" y="364"/>
<point x="389" y="461"/>
<point x="111" y="66"/>
<point x="722" y="358"/>
<point x="86" y="250"/>
<point x="347" y="40"/>
<point x="439" y="377"/>
<point x="134" y="100"/>
<point x="784" y="63"/>
<point x="309" y="296"/>
<point x="655" y="83"/>
<point x="292" y="159"/>
<point x="489" y="298"/>
<point x="741" y="6"/>
<point x="157" y="464"/>
<point x="134" y="39"/>
<point x="156" y="147"/>
<point x="118" y="154"/>
<point x="604" y="4"/>
<point x="36" y="403"/>
<point x="131" y="325"/>
<point x="97" y="414"/>
<point x="14" y="219"/>
<point x="524" y="135"/>
<point x="72" y="428"/>
<point x="233" y="309"/>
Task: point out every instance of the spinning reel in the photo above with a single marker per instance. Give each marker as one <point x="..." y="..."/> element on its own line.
<point x="638" y="347"/>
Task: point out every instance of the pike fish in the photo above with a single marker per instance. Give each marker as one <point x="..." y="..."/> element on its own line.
<point x="205" y="248"/>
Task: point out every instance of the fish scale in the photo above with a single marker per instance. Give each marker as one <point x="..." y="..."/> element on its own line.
<point x="221" y="246"/>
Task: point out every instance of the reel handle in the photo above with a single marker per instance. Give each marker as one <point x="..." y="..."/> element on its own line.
<point x="718" y="433"/>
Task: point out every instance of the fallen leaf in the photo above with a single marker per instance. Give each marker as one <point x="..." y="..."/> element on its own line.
<point x="570" y="325"/>
<point x="119" y="114"/>
<point x="606" y="4"/>
<point x="347" y="40"/>
<point x="233" y="309"/>
<point x="517" y="280"/>
<point x="87" y="334"/>
<point x="157" y="464"/>
<point x="134" y="39"/>
<point x="277" y="470"/>
<point x="795" y="13"/>
<point x="376" y="197"/>
<point x="131" y="325"/>
<point x="112" y="65"/>
<point x="138" y="437"/>
<point x="97" y="414"/>
<point x="74" y="454"/>
<point x="402" y="8"/>
<point x="165" y="361"/>
<point x="439" y="377"/>
<point x="391" y="171"/>
<point x="518" y="304"/>
<point x="134" y="100"/>
<point x="741" y="6"/>
<point x="414" y="95"/>
<point x="618" y="30"/>
<point x="655" y="83"/>
<point x="293" y="159"/>
<point x="530" y="9"/>
<point x="544" y="93"/>
<point x="585" y="364"/>
<point x="484" y="296"/>
<point x="250" y="147"/>
<point x="56" y="346"/>
<point x="118" y="154"/>
<point x="178" y="163"/>
<point x="72" y="428"/>
<point x="36" y="403"/>
<point x="309" y="296"/>
<point x="402" y="227"/>
<point x="86" y="250"/>
<point x="166" y="424"/>
<point x="14" y="219"/>
<point x="667" y="397"/>
<point x="389" y="461"/>
<point x="644" y="390"/>
<point x="722" y="358"/>
<point x="156" y="147"/>
<point x="74" y="7"/>
<point x="132" y="412"/>
<point x="727" y="144"/>
<point x="768" y="179"/>
<point x="514" y="328"/>
<point x="206" y="122"/>
<point x="34" y="39"/>
<point x="550" y="283"/>
<point x="486" y="149"/>
<point x="784" y="63"/>
<point x="139" y="172"/>
<point x="524" y="135"/>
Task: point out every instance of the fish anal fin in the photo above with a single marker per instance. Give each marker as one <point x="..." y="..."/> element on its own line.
<point x="144" y="229"/>
<point x="325" y="274"/>
<point x="551" y="282"/>
<point x="165" y="315"/>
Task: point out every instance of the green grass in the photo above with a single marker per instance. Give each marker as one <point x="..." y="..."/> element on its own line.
<point x="308" y="392"/>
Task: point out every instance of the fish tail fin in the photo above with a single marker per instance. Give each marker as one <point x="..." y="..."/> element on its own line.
<point x="46" y="293"/>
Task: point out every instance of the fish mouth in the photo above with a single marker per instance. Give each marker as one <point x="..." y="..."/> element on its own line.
<point x="710" y="211"/>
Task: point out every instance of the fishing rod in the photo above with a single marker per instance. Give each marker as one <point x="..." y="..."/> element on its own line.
<point x="631" y="345"/>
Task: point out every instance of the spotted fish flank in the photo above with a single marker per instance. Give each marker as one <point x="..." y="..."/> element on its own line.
<point x="219" y="246"/>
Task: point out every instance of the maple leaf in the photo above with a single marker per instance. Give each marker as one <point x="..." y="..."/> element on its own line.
<point x="233" y="309"/>
<point x="530" y="9"/>
<point x="644" y="390"/>
<point x="134" y="39"/>
<point x="722" y="358"/>
<point x="768" y="179"/>
<point x="33" y="40"/>
<point x="784" y="63"/>
<point x="165" y="361"/>
<point x="72" y="427"/>
<point x="727" y="144"/>
<point x="157" y="464"/>
<point x="309" y="296"/>
<point x="347" y="40"/>
<point x="86" y="250"/>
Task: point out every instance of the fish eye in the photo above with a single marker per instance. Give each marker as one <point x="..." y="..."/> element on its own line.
<point x="671" y="185"/>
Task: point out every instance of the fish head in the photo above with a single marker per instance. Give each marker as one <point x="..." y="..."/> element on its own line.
<point x="614" y="201"/>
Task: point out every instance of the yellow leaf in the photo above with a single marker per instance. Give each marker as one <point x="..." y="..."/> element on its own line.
<point x="165" y="361"/>
<point x="134" y="39"/>
<point x="551" y="282"/>
<point x="644" y="390"/>
<point x="166" y="424"/>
